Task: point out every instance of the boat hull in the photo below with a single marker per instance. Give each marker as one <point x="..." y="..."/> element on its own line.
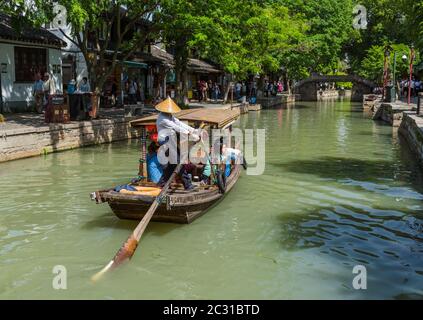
<point x="182" y="207"/>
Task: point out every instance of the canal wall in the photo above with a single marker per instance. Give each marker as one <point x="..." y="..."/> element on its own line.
<point x="275" y="101"/>
<point x="412" y="130"/>
<point x="371" y="100"/>
<point x="392" y="112"/>
<point x="29" y="141"/>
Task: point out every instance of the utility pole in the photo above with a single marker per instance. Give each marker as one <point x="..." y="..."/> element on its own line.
<point x="394" y="76"/>
<point x="387" y="54"/>
<point x="411" y="72"/>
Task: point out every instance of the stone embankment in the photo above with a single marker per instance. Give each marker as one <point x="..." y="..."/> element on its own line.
<point x="22" y="140"/>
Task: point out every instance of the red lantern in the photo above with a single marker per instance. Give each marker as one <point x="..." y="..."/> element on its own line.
<point x="151" y="128"/>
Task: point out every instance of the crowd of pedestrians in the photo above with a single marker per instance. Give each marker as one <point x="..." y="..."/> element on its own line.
<point x="415" y="84"/>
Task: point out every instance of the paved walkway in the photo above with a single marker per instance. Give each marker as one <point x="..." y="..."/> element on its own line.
<point x="30" y="121"/>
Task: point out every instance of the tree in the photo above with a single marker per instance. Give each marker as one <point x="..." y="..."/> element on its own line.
<point x="330" y="29"/>
<point x="25" y="12"/>
<point x="372" y="65"/>
<point x="108" y="32"/>
<point x="389" y="21"/>
<point x="105" y="31"/>
<point x="189" y="26"/>
<point x="242" y="37"/>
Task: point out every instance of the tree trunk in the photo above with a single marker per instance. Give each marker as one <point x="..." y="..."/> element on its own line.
<point x="185" y="87"/>
<point x="178" y="77"/>
<point x="288" y="85"/>
<point x="181" y="81"/>
<point x="227" y="89"/>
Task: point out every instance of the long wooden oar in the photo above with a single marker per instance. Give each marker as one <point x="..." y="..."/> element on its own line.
<point x="128" y="248"/>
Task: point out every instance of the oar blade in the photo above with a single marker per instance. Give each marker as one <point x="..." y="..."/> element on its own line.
<point x="125" y="253"/>
<point x="102" y="272"/>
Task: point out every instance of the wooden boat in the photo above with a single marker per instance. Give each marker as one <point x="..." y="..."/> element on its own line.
<point x="179" y="205"/>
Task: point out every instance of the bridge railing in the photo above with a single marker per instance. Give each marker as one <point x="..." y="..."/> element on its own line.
<point x="336" y="78"/>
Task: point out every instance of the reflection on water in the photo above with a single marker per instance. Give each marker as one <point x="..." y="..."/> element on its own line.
<point x="338" y="190"/>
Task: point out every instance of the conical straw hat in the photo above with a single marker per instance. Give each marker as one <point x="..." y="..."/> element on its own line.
<point x="168" y="106"/>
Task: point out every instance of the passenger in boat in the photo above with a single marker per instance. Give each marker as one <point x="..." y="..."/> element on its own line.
<point x="167" y="124"/>
<point x="230" y="156"/>
<point x="154" y="168"/>
<point x="203" y="168"/>
<point x="205" y="176"/>
<point x="189" y="170"/>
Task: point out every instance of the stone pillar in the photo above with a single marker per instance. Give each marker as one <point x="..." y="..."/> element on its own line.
<point x="308" y="91"/>
<point x="358" y="91"/>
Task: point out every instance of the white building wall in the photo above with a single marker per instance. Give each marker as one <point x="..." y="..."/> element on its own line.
<point x="71" y="48"/>
<point x="12" y="92"/>
<point x="19" y="95"/>
<point x="55" y="58"/>
<point x="81" y="67"/>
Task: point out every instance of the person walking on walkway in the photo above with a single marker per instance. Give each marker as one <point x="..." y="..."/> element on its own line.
<point x="84" y="86"/>
<point x="216" y="91"/>
<point x="238" y="87"/>
<point x="253" y="88"/>
<point x="49" y="88"/>
<point x="280" y="87"/>
<point x="132" y="92"/>
<point x="204" y="88"/>
<point x="244" y="89"/>
<point x="266" y="88"/>
<point x="418" y="86"/>
<point x="210" y="89"/>
<point x="38" y="93"/>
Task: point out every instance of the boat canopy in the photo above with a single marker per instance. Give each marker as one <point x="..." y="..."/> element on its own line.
<point x="217" y="117"/>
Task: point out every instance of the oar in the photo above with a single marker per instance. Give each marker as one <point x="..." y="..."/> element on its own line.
<point x="128" y="248"/>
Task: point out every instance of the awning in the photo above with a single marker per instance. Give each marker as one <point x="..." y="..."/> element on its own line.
<point x="217" y="117"/>
<point x="134" y="64"/>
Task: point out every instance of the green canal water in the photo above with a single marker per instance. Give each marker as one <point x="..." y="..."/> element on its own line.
<point x="338" y="191"/>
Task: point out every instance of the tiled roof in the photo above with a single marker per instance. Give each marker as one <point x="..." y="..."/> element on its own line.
<point x="30" y="34"/>
<point x="202" y="66"/>
<point x="160" y="56"/>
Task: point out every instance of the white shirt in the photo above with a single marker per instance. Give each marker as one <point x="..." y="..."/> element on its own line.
<point x="49" y="86"/>
<point x="133" y="88"/>
<point x="84" y="87"/>
<point x="167" y="122"/>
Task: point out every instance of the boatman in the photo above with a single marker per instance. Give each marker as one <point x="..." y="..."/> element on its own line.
<point x="168" y="125"/>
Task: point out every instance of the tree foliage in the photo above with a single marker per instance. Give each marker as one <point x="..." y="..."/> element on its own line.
<point x="390" y="22"/>
<point x="372" y="64"/>
<point x="107" y="32"/>
<point x="244" y="37"/>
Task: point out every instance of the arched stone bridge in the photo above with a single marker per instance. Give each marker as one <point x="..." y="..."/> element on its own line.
<point x="308" y="90"/>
